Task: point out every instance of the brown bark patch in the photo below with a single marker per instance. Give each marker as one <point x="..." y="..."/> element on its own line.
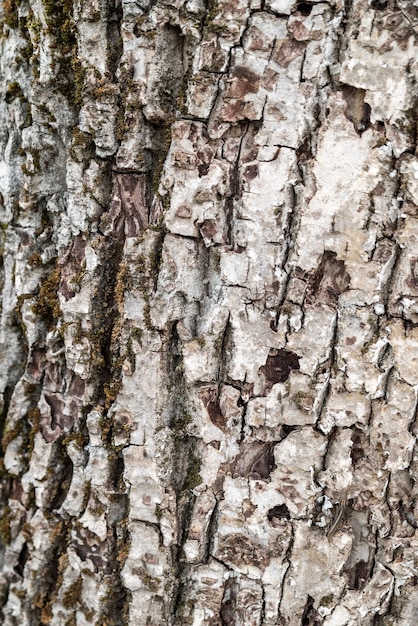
<point x="359" y="565"/>
<point x="129" y="209"/>
<point x="63" y="414"/>
<point x="133" y="203"/>
<point x="204" y="159"/>
<point x="208" y="230"/>
<point x="229" y="603"/>
<point x="88" y="546"/>
<point x="270" y="78"/>
<point x="329" y="281"/>
<point x="310" y="616"/>
<point x="356" y="110"/>
<point x="239" y="549"/>
<point x="209" y="397"/>
<point x="358" y="575"/>
<point x="412" y="280"/>
<point x="255" y="460"/>
<point x="244" y="81"/>
<point x="287" y="51"/>
<point x="304" y="8"/>
<point x="357" y="449"/>
<point x="36" y="363"/>
<point x="301" y="33"/>
<point x="184" y="211"/>
<point x="77" y="386"/>
<point x="251" y="172"/>
<point x="277" y="513"/>
<point x="278" y="366"/>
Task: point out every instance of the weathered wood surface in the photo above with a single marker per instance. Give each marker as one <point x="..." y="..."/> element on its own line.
<point x="209" y="339"/>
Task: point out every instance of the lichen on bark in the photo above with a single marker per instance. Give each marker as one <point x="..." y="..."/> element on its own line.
<point x="208" y="312"/>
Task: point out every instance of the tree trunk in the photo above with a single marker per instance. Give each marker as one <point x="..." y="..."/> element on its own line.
<point x="209" y="323"/>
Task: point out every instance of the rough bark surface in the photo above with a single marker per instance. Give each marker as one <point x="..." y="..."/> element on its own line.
<point x="209" y="323"/>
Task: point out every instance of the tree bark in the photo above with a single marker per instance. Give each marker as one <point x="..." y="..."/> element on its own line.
<point x="209" y="322"/>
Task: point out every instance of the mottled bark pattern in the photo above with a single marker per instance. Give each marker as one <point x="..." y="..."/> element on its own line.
<point x="209" y="322"/>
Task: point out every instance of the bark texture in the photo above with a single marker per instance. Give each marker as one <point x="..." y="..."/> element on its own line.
<point x="209" y="323"/>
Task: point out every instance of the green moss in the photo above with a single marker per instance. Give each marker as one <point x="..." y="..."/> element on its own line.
<point x="193" y="477"/>
<point x="111" y="391"/>
<point x="60" y="26"/>
<point x="180" y="422"/>
<point x="380" y="141"/>
<point x="73" y="594"/>
<point x="298" y="399"/>
<point x="158" y="512"/>
<point x="79" y="75"/>
<point x="27" y="52"/>
<point x="42" y="108"/>
<point x="130" y="355"/>
<point x="181" y="417"/>
<point x="33" y="417"/>
<point x="286" y="309"/>
<point x="47" y="304"/>
<point x="327" y="601"/>
<point x="139" y="21"/>
<point x="216" y="258"/>
<point x="151" y="582"/>
<point x="13" y="90"/>
<point x="36" y="161"/>
<point x="78" y="438"/>
<point x="35" y="260"/>
<point x="26" y="171"/>
<point x="5" y="518"/>
<point x="162" y="154"/>
<point x="136" y="333"/>
<point x="10" y="13"/>
<point x="31" y="29"/>
<point x="123" y="282"/>
<point x="18" y="318"/>
<point x="212" y="13"/>
<point x="36" y="157"/>
<point x="182" y="93"/>
<point x="24" y="429"/>
<point x="77" y="279"/>
<point x="156" y="256"/>
<point x="11" y="433"/>
<point x="34" y="27"/>
<point x="59" y="16"/>
<point x="81" y="145"/>
<point x="184" y="612"/>
<point x="96" y="506"/>
<point x="147" y="315"/>
<point x="201" y="341"/>
<point x="105" y="425"/>
<point x="89" y="614"/>
<point x="86" y="495"/>
<point x="143" y="276"/>
<point x="120" y="123"/>
<point x="407" y="124"/>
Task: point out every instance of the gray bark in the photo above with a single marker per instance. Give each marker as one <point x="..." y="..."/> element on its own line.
<point x="209" y="322"/>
